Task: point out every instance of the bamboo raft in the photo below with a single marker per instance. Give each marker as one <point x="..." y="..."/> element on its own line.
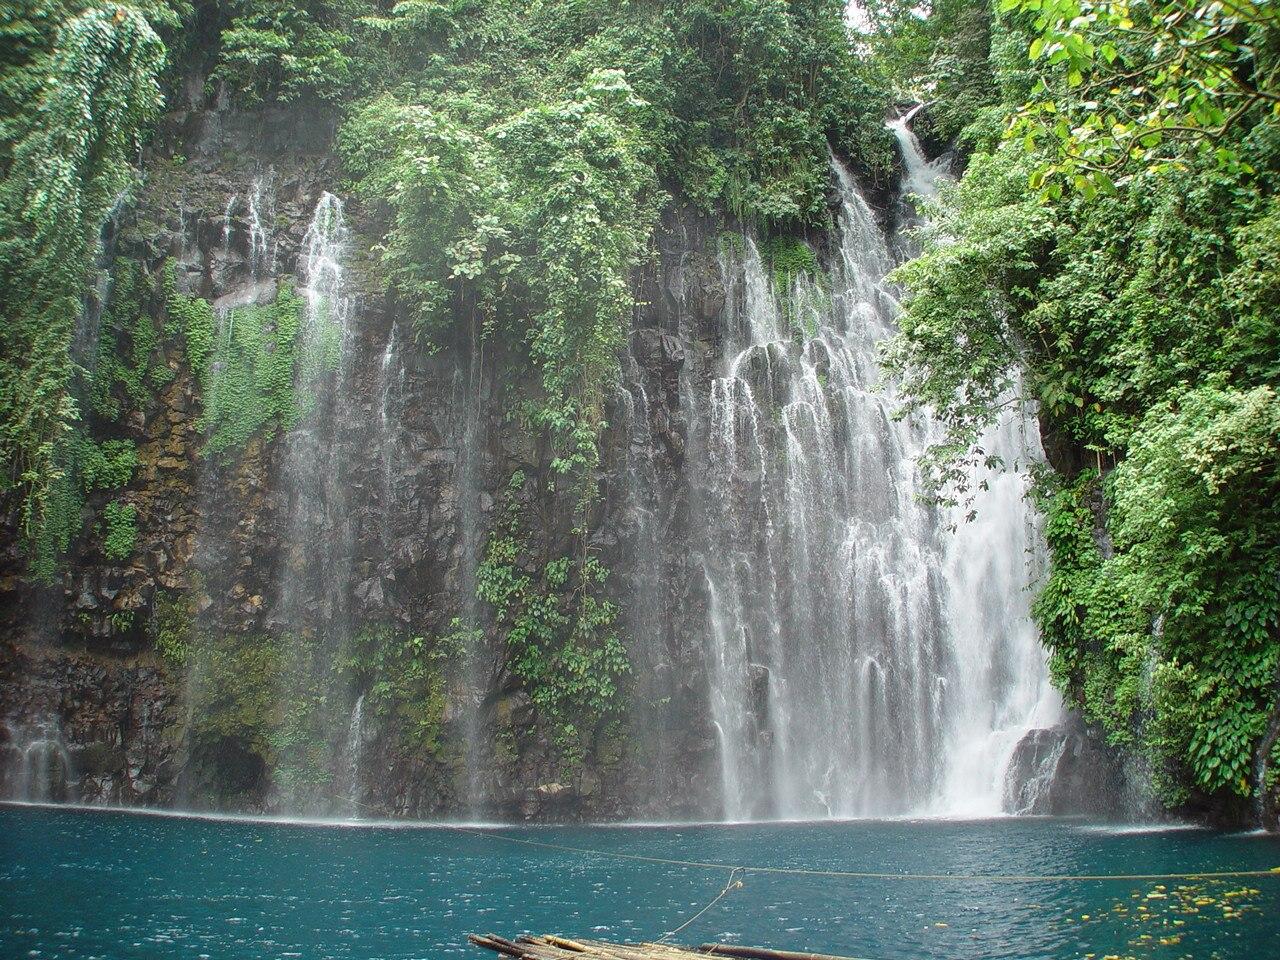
<point x="550" y="947"/>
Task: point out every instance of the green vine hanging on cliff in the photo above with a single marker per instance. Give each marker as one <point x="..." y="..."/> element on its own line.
<point x="74" y="113"/>
<point x="560" y="632"/>
<point x="256" y="364"/>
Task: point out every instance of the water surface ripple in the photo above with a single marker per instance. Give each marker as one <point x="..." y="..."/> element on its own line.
<point x="81" y="884"/>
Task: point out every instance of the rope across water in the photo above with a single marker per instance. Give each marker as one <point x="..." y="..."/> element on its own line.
<point x="734" y="868"/>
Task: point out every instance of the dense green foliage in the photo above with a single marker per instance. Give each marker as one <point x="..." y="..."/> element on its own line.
<point x="257" y="364"/>
<point x="934" y="53"/>
<point x="77" y="89"/>
<point x="123" y="373"/>
<point x="248" y="376"/>
<point x="128" y="368"/>
<point x="280" y="51"/>
<point x="85" y="466"/>
<point x="1140" y="312"/>
<point x="1124" y="87"/>
<point x="405" y="678"/>
<point x="171" y="624"/>
<point x="234" y="685"/>
<point x="120" y="530"/>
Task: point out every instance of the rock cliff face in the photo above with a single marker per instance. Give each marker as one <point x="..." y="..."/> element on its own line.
<point x="95" y="712"/>
<point x="295" y="628"/>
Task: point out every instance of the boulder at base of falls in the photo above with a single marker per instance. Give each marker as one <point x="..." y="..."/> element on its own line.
<point x="1062" y="771"/>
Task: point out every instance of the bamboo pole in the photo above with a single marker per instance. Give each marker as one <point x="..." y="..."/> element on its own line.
<point x="552" y="947"/>
<point x="763" y="953"/>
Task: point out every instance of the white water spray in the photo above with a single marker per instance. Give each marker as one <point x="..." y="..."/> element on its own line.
<point x="862" y="659"/>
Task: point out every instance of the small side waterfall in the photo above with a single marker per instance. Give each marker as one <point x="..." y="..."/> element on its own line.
<point x="39" y="768"/>
<point x="646" y="627"/>
<point x="920" y="174"/>
<point x="469" y="438"/>
<point x="261" y="211"/>
<point x="319" y="535"/>
<point x="391" y="401"/>
<point x="862" y="659"/>
<point x="285" y="362"/>
<point x="353" y="755"/>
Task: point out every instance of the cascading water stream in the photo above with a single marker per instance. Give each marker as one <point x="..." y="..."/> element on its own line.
<point x="994" y="636"/>
<point x="921" y="175"/>
<point x="41" y="766"/>
<point x="640" y="524"/>
<point x="312" y="610"/>
<point x="261" y="211"/>
<point x="354" y="754"/>
<point x="308" y="621"/>
<point x="391" y="399"/>
<point x="470" y="439"/>
<point x="862" y="659"/>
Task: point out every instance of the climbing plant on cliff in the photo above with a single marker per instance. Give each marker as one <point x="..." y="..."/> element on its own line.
<point x="559" y="630"/>
<point x="1125" y="278"/>
<point x="74" y="112"/>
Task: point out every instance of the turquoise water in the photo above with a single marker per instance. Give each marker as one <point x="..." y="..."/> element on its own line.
<point x="79" y="884"/>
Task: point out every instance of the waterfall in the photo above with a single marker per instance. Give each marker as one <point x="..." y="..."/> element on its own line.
<point x="39" y="766"/>
<point x="920" y="175"/>
<point x="862" y="659"/>
<point x="391" y="400"/>
<point x="326" y="321"/>
<point x="261" y="203"/>
<point x="319" y="533"/>
<point x="470" y="440"/>
<point x="313" y="610"/>
<point x="227" y="225"/>
<point x="994" y="635"/>
<point x="639" y="523"/>
<point x="354" y="753"/>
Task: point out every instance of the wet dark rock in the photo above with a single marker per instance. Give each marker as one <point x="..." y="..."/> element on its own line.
<point x="1064" y="770"/>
